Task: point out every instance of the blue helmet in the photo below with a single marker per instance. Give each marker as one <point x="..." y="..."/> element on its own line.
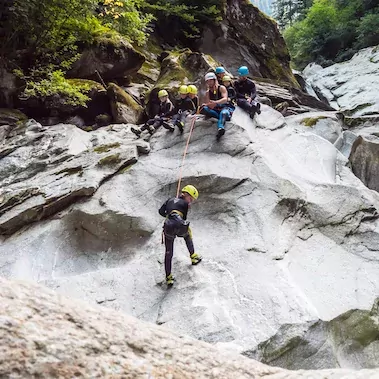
<point x="243" y="71"/>
<point x="220" y="70"/>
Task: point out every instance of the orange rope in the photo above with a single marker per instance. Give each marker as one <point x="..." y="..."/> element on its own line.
<point x="185" y="150"/>
<point x="184" y="156"/>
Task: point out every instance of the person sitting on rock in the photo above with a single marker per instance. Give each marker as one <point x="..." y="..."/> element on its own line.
<point x="183" y="107"/>
<point x="176" y="225"/>
<point x="192" y="94"/>
<point x="232" y="95"/>
<point x="216" y="103"/>
<point x="246" y="93"/>
<point x="161" y="118"/>
<point x="220" y="72"/>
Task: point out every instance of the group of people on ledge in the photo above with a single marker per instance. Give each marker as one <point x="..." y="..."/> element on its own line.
<point x="221" y="99"/>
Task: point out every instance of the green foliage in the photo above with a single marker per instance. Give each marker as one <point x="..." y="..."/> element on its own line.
<point x="55" y="83"/>
<point x="52" y="31"/>
<point x="286" y="12"/>
<point x="186" y="18"/>
<point x="332" y="31"/>
<point x="368" y="30"/>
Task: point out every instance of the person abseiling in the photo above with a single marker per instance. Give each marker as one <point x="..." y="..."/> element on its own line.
<point x="220" y="72"/>
<point x="183" y="107"/>
<point x="246" y="93"/>
<point x="232" y="95"/>
<point x="192" y="94"/>
<point x="216" y="103"/>
<point x="162" y="118"/>
<point x="176" y="225"/>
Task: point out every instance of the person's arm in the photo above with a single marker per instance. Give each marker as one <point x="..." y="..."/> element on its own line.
<point x="162" y="210"/>
<point x="206" y="99"/>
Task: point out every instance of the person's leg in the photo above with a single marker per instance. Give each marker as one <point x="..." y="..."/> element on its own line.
<point x="155" y="125"/>
<point x="169" y="246"/>
<point x="244" y="104"/>
<point x="167" y="125"/>
<point x="181" y="121"/>
<point x="209" y="112"/>
<point x="195" y="258"/>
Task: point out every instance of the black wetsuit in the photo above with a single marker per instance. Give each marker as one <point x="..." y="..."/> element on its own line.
<point x="183" y="108"/>
<point x="246" y="88"/>
<point x="232" y="95"/>
<point x="164" y="113"/>
<point x="175" y="210"/>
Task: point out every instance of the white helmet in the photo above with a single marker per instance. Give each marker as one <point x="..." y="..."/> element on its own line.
<point x="210" y="76"/>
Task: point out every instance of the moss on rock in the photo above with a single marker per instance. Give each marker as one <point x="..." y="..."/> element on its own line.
<point x="12" y="117"/>
<point x="110" y="160"/>
<point x="106" y="148"/>
<point x="312" y="121"/>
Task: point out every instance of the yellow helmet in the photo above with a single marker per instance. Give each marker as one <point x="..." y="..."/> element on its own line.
<point x="226" y="78"/>
<point x="183" y="90"/>
<point x="192" y="89"/>
<point x="191" y="190"/>
<point x="162" y="93"/>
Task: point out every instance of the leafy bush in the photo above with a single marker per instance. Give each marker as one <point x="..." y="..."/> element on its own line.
<point x="55" y="83"/>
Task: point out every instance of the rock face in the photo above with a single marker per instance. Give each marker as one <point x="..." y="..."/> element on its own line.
<point x="364" y="159"/>
<point x="297" y="100"/>
<point x="43" y="170"/>
<point x="247" y="36"/>
<point x="350" y="339"/>
<point x="45" y="335"/>
<point x="111" y="59"/>
<point x="125" y="108"/>
<point x="287" y="232"/>
<point x="351" y="86"/>
<point x="324" y="124"/>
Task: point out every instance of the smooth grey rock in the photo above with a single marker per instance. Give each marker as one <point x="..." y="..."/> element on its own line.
<point x="364" y="160"/>
<point x="349" y="340"/>
<point x="45" y="170"/>
<point x="280" y="221"/>
<point x="323" y="124"/>
<point x="345" y="142"/>
<point x="351" y="86"/>
<point x="46" y="335"/>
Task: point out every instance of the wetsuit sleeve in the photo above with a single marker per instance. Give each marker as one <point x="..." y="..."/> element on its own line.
<point x="168" y="110"/>
<point x="189" y="105"/>
<point x="162" y="210"/>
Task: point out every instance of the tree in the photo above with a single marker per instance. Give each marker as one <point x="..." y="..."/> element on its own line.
<point x="286" y="12"/>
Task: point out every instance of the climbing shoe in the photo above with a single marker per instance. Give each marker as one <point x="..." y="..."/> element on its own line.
<point x="195" y="259"/>
<point x="170" y="280"/>
<point x="136" y="131"/>
<point x="220" y="133"/>
<point x="252" y="114"/>
<point x="180" y="126"/>
<point x="151" y="130"/>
